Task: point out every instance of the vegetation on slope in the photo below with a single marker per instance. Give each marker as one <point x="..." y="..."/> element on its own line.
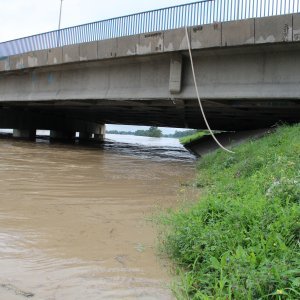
<point x="193" y="137"/>
<point x="241" y="240"/>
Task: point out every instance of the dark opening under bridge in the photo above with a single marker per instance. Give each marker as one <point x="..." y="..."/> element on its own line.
<point x="136" y="70"/>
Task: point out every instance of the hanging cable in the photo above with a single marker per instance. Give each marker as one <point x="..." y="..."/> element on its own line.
<point x="199" y="99"/>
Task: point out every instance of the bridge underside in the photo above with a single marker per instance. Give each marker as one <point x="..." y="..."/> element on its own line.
<point x="242" y="88"/>
<point x="222" y="114"/>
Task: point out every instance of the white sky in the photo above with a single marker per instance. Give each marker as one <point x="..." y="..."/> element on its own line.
<point x="19" y="18"/>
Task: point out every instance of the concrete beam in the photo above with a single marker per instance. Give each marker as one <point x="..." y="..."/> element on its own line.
<point x="16" y="62"/>
<point x="175" y="40"/>
<point x="238" y="33"/>
<point x="206" y="36"/>
<point x="296" y="27"/>
<point x="150" y="43"/>
<point x="24" y="133"/>
<point x="107" y="49"/>
<point x="55" y="56"/>
<point x="274" y="29"/>
<point x="4" y="64"/>
<point x="127" y="46"/>
<point x="71" y="53"/>
<point x="29" y="60"/>
<point x="41" y="57"/>
<point x="88" y="51"/>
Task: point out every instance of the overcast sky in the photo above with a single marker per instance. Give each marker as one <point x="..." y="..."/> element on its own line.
<point x="19" y="18"/>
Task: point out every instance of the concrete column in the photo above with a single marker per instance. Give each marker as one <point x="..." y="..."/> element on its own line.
<point x="62" y="135"/>
<point x="24" y="133"/>
<point x="85" y="135"/>
<point x="99" y="133"/>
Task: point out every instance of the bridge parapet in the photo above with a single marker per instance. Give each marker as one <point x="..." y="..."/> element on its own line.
<point x="268" y="30"/>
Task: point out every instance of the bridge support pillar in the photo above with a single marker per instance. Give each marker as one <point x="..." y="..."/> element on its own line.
<point x="62" y="135"/>
<point x="85" y="135"/>
<point x="99" y="133"/>
<point x="24" y="133"/>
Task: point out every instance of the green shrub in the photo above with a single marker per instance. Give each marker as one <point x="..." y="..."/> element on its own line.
<point x="241" y="240"/>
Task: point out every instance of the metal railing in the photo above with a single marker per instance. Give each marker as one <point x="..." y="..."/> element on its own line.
<point x="192" y="14"/>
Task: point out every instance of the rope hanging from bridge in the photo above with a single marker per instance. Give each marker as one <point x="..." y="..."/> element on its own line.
<point x="198" y="96"/>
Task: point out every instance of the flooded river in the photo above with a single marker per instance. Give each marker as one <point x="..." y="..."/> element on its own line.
<point x="74" y="220"/>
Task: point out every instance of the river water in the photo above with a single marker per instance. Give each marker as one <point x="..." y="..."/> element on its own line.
<point x="74" y="219"/>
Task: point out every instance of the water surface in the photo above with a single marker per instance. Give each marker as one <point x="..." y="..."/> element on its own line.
<point x="74" y="219"/>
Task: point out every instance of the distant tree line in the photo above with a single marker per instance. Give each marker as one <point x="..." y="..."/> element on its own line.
<point x="153" y="131"/>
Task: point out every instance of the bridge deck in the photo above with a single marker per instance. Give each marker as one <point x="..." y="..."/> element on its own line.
<point x="247" y="71"/>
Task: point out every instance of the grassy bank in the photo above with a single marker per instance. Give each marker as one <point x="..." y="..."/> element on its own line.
<point x="241" y="240"/>
<point x="190" y="138"/>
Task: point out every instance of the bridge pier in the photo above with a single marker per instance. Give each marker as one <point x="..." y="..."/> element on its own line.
<point x="62" y="134"/>
<point x="85" y="135"/>
<point x="99" y="133"/>
<point x="24" y="133"/>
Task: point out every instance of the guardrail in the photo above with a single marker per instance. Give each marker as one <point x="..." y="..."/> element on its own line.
<point x="192" y="14"/>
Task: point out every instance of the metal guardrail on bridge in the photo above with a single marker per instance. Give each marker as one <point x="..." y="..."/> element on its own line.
<point x="192" y="14"/>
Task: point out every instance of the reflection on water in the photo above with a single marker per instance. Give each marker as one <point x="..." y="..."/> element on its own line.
<point x="73" y="218"/>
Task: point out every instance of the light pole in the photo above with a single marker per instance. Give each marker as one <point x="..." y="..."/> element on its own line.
<point x="59" y="23"/>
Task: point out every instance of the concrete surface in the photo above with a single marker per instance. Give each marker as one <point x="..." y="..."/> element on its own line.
<point x="71" y="53"/>
<point x="207" y="145"/>
<point x="55" y="56"/>
<point x="277" y="29"/>
<point x="296" y="27"/>
<point x="175" y="40"/>
<point x="88" y="51"/>
<point x="206" y="36"/>
<point x="127" y="46"/>
<point x="150" y="43"/>
<point x="238" y="33"/>
<point x="41" y="58"/>
<point x="79" y="87"/>
<point x="16" y="62"/>
<point x="30" y="60"/>
<point x="107" y="49"/>
<point x="241" y="88"/>
<point x="4" y="64"/>
<point x="274" y="29"/>
<point x="175" y="74"/>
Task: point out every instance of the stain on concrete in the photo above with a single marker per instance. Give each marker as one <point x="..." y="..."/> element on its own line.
<point x="50" y="78"/>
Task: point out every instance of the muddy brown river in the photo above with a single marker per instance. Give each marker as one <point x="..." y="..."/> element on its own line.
<point x="75" y="219"/>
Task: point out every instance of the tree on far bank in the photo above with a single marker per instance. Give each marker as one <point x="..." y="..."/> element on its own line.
<point x="154" y="132"/>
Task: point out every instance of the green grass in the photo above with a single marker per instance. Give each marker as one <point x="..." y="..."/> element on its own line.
<point x="241" y="240"/>
<point x="190" y="138"/>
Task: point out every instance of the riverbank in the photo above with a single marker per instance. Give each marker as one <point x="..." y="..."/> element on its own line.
<point x="241" y="240"/>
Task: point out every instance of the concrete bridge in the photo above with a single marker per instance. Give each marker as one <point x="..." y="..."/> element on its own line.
<point x="248" y="73"/>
